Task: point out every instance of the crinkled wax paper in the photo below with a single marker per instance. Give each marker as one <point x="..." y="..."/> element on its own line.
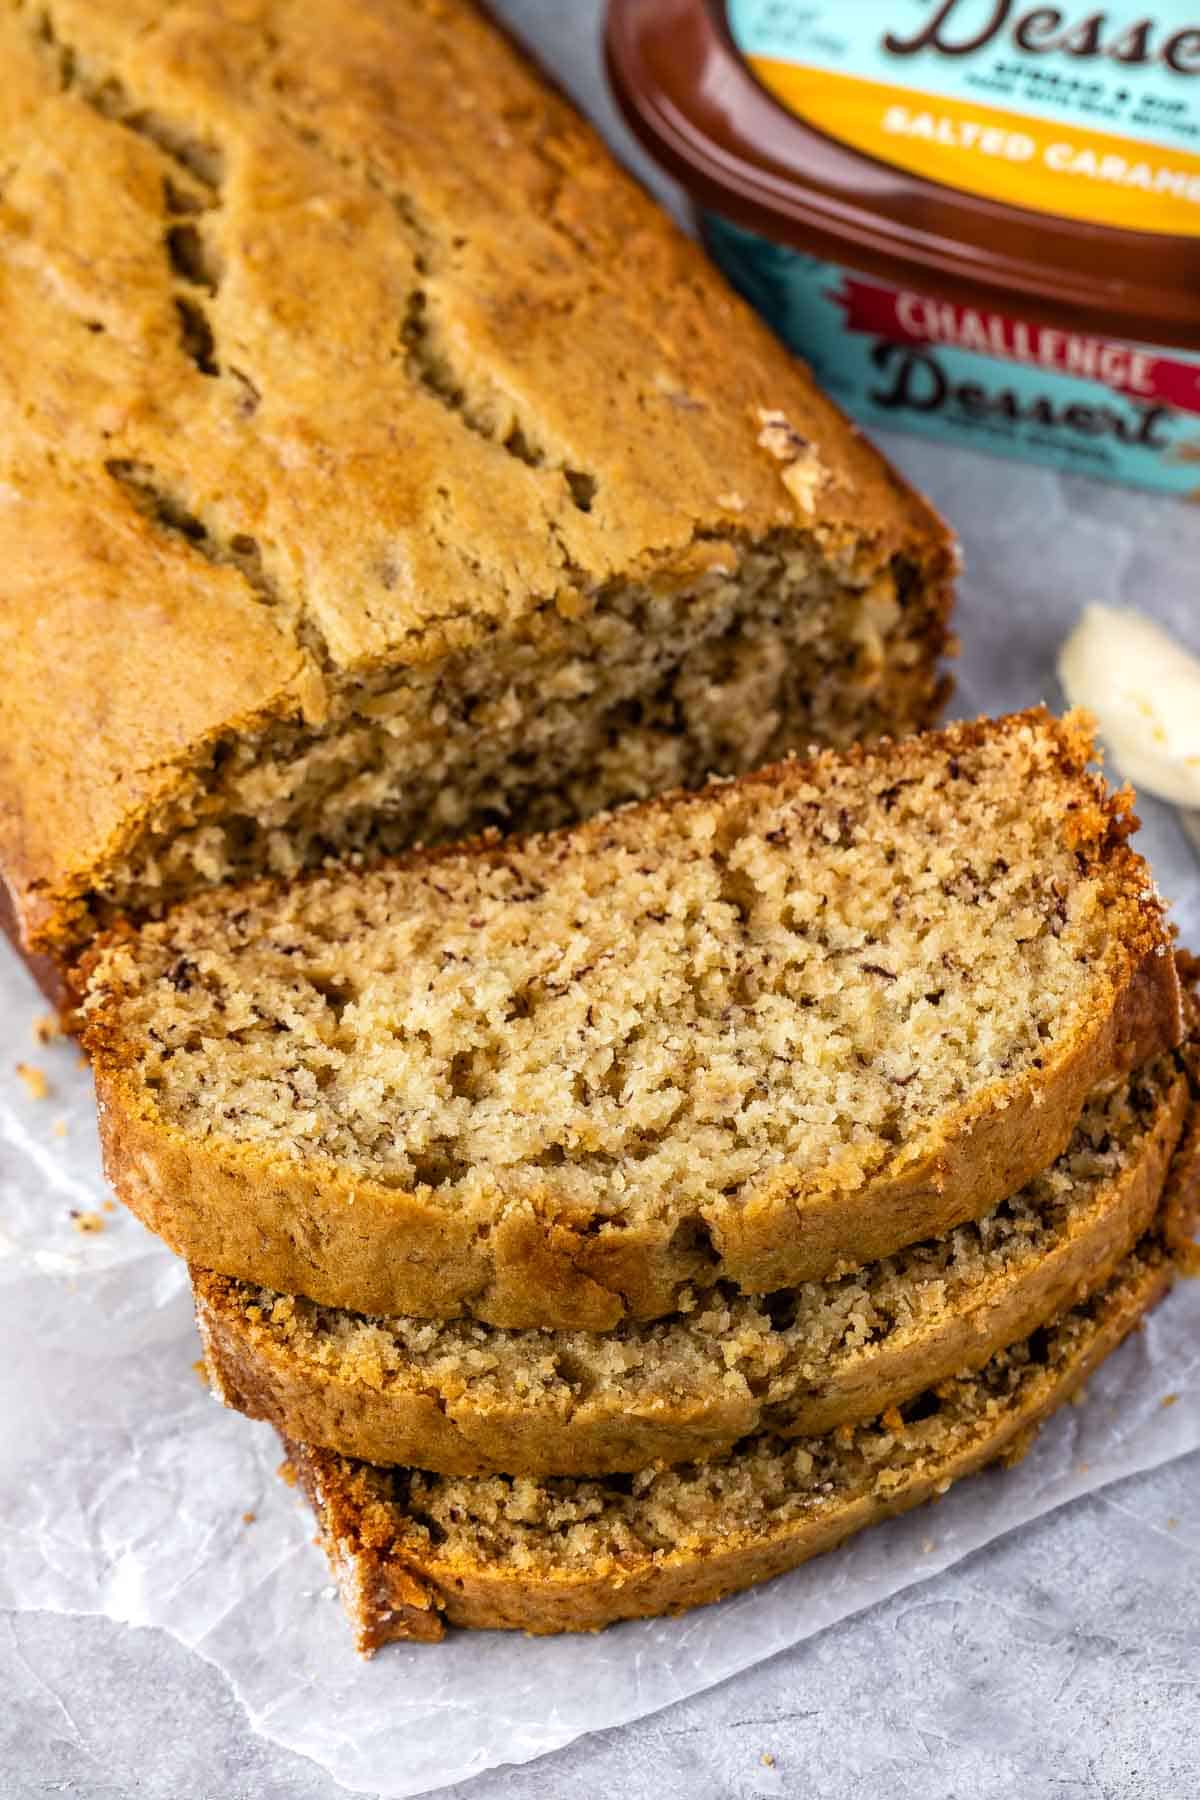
<point x="124" y="1489"/>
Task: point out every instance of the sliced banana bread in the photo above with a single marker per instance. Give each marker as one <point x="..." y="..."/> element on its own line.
<point x="468" y="1399"/>
<point x="760" y="1034"/>
<point x="413" y="1553"/>
<point x="377" y="462"/>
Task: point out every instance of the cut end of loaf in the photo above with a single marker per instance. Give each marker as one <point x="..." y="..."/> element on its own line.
<point x="642" y="693"/>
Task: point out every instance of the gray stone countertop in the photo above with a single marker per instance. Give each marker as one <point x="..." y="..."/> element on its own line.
<point x="1060" y="1663"/>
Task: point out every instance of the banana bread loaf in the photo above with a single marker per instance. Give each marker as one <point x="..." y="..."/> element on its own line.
<point x="413" y="1553"/>
<point x="467" y="1399"/>
<point x="758" y="1034"/>
<point x="377" y="462"/>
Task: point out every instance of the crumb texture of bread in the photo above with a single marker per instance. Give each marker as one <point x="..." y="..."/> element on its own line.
<point x="414" y="1552"/>
<point x="378" y="462"/>
<point x="760" y="1034"/>
<point x="465" y="1398"/>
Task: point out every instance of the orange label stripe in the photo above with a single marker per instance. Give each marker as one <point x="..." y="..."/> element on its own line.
<point x="1067" y="169"/>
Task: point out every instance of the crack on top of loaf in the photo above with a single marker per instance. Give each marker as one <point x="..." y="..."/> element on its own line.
<point x="191" y="190"/>
<point x="428" y="359"/>
<point x="199" y="160"/>
<point x="549" y="210"/>
<point x="422" y="238"/>
<point x="541" y="134"/>
<point x="194" y="189"/>
<point x="196" y="336"/>
<point x="495" y="421"/>
<point x="192" y="257"/>
<point x="196" y="270"/>
<point x="152" y="497"/>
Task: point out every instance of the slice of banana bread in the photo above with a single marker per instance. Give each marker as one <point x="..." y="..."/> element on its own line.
<point x="413" y="1553"/>
<point x="467" y="1399"/>
<point x="757" y="1034"/>
<point x="377" y="462"/>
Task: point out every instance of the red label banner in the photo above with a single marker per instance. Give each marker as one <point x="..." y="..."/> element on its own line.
<point x="903" y="316"/>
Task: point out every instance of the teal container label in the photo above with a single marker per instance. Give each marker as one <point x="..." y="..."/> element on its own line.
<point x="1080" y="111"/>
<point x="901" y="358"/>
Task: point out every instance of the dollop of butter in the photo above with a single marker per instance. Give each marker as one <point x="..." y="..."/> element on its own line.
<point x="1144" y="689"/>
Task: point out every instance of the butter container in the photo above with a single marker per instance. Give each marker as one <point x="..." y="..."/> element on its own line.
<point x="976" y="219"/>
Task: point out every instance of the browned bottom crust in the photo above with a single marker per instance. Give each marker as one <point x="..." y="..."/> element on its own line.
<point x="404" y="1575"/>
<point x="576" y="1425"/>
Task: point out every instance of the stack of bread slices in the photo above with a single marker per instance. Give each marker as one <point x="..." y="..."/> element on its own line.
<point x="612" y="1218"/>
<point x="608" y="1213"/>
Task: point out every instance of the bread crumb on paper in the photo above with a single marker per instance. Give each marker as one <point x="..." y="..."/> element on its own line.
<point x="1169" y="1399"/>
<point x="35" y="1080"/>
<point x="47" y="1027"/>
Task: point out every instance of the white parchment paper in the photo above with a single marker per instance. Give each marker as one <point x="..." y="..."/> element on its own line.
<point x="125" y="1490"/>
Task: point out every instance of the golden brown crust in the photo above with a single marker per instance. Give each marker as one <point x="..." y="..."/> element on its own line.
<point x="396" y="1584"/>
<point x="1181" y="1210"/>
<point x="411" y="1420"/>
<point x="314" y="1228"/>
<point x="1181" y="1205"/>
<point x="401" y="369"/>
<point x="47" y="971"/>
